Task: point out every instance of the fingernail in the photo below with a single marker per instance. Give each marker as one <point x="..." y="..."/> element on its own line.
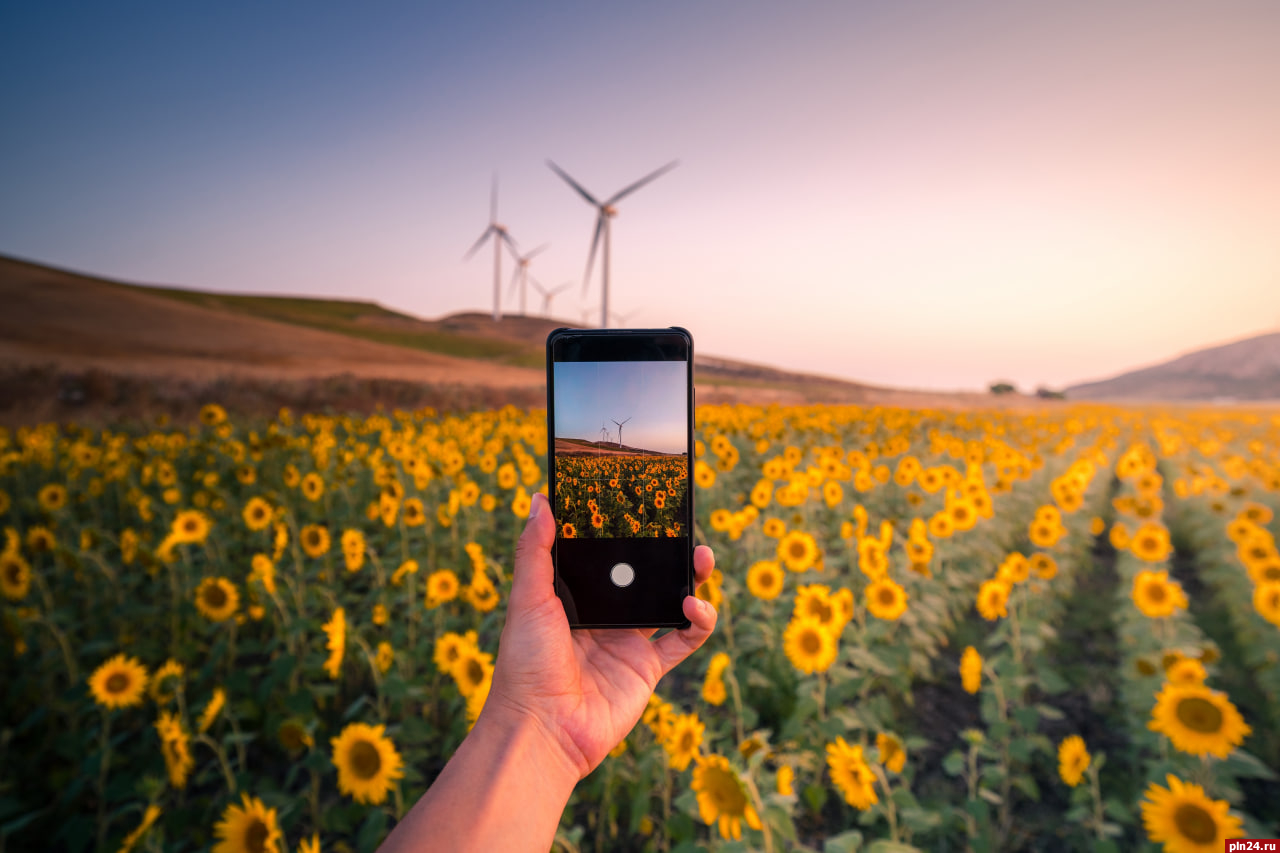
<point x="536" y="505"/>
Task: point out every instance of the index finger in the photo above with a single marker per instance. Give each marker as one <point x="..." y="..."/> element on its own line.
<point x="704" y="561"/>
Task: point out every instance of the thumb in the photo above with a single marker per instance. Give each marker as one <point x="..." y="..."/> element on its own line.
<point x="533" y="575"/>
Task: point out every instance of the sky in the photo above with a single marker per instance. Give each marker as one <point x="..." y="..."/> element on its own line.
<point x="924" y="194"/>
<point x="649" y="398"/>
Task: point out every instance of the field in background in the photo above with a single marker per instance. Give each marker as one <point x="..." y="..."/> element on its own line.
<point x="917" y="609"/>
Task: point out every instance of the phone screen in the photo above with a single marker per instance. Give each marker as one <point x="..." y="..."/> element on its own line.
<point x="620" y="420"/>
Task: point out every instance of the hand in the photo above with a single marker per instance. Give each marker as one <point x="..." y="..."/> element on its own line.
<point x="586" y="689"/>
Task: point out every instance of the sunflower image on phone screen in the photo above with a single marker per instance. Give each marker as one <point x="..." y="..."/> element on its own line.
<point x="621" y="466"/>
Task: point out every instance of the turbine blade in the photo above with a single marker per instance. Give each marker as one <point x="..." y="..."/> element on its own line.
<point x="537" y="251"/>
<point x="493" y="199"/>
<point x="515" y="279"/>
<point x="562" y="287"/>
<point x="571" y="182"/>
<point x="652" y="176"/>
<point x="478" y="243"/>
<point x="511" y="243"/>
<point x="591" y="257"/>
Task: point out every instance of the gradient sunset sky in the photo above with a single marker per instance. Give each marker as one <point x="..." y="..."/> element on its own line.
<point x="923" y="194"/>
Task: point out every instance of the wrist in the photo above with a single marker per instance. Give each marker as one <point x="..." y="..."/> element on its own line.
<point x="524" y="737"/>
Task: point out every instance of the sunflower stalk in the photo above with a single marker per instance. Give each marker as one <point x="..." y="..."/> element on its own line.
<point x="222" y="761"/>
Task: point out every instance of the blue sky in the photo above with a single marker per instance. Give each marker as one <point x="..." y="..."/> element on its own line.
<point x="923" y="194"/>
<point x="649" y="398"/>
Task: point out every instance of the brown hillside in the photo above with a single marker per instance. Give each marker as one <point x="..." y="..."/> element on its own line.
<point x="1247" y="370"/>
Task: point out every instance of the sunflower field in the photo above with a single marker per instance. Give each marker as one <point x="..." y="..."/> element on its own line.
<point x="603" y="496"/>
<point x="1051" y="630"/>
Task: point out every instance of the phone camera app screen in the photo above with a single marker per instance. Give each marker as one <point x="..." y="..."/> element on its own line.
<point x="621" y="489"/>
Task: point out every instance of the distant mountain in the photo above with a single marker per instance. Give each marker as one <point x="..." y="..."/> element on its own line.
<point x="1243" y="370"/>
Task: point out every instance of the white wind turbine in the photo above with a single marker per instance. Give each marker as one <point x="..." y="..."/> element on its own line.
<point x="621" y="319"/>
<point x="520" y="275"/>
<point x="548" y="295"/>
<point x="606" y="211"/>
<point x="620" y="429"/>
<point x="500" y="236"/>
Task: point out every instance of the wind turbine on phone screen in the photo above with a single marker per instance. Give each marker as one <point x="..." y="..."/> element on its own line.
<point x="500" y="236"/>
<point x="606" y="210"/>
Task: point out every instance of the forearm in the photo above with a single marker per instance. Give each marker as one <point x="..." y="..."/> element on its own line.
<point x="504" y="789"/>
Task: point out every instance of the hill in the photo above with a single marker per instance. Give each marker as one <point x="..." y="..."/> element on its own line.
<point x="1247" y="370"/>
<point x="74" y="341"/>
<point x="584" y="447"/>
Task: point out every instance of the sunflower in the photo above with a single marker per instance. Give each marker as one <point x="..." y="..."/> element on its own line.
<point x="1186" y="820"/>
<point x="798" y="551"/>
<point x="385" y="657"/>
<point x="176" y="745"/>
<point x="886" y="599"/>
<point x="964" y="515"/>
<point x="568" y="531"/>
<point x="1119" y="536"/>
<point x="851" y="774"/>
<point x="1266" y="600"/>
<point x="892" y="753"/>
<point x="52" y="497"/>
<point x="814" y="602"/>
<point x="684" y="740"/>
<point x="1185" y="670"/>
<point x="15" y="575"/>
<point x="1043" y="565"/>
<point x="294" y="736"/>
<point x="336" y="630"/>
<point x="41" y="538"/>
<point x="191" y="526"/>
<point x="1198" y="720"/>
<point x="993" y="597"/>
<point x="873" y="559"/>
<point x="149" y="817"/>
<point x="211" y="414"/>
<point x="1097" y="526"/>
<point x="1157" y="596"/>
<point x="1045" y="534"/>
<point x="251" y="829"/>
<point x="713" y="687"/>
<point x="119" y="683"/>
<point x="165" y="682"/>
<point x="442" y="587"/>
<point x="353" y="548"/>
<point x="314" y="539"/>
<point x="721" y="799"/>
<point x="809" y="645"/>
<point x="217" y="599"/>
<point x="764" y="579"/>
<point x="481" y="593"/>
<point x="470" y="669"/>
<point x="971" y="670"/>
<point x="1073" y="760"/>
<point x="1150" y="543"/>
<point x="450" y="646"/>
<point x="257" y="514"/>
<point x="941" y="526"/>
<point x="211" y="711"/>
<point x="263" y="571"/>
<point x="312" y="487"/>
<point x="367" y="761"/>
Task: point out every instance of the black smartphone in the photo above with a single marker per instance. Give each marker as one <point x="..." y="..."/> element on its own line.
<point x="620" y="423"/>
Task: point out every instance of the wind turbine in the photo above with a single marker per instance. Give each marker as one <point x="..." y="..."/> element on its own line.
<point x="548" y="295"/>
<point x="607" y="210"/>
<point x="500" y="236"/>
<point x="621" y="319"/>
<point x="520" y="275"/>
<point x="620" y="430"/>
<point x="604" y="434"/>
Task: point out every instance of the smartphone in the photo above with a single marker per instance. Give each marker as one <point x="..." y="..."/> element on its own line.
<point x="620" y="422"/>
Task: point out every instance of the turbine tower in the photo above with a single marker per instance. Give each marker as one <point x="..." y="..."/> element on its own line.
<point x="548" y="295"/>
<point x="500" y="236"/>
<point x="620" y="430"/>
<point x="606" y="211"/>
<point x="520" y="275"/>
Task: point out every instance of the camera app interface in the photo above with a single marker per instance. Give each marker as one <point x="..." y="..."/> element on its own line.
<point x="621" y="460"/>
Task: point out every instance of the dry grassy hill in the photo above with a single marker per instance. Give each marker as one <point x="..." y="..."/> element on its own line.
<point x="74" y="344"/>
<point x="1247" y="370"/>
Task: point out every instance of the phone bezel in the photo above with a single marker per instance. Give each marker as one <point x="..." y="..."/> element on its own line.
<point x="615" y="338"/>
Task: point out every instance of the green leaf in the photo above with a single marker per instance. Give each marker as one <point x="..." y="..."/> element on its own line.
<point x="953" y="764"/>
<point x="845" y="842"/>
<point x="884" y="845"/>
<point x="990" y="796"/>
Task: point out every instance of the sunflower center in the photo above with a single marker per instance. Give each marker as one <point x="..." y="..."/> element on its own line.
<point x="1200" y="715"/>
<point x="215" y="596"/>
<point x="475" y="672"/>
<point x="1195" y="823"/>
<point x="686" y="741"/>
<point x="365" y="760"/>
<point x="1156" y="593"/>
<point x="255" y="837"/>
<point x="798" y="550"/>
<point x="190" y="525"/>
<point x="810" y="642"/>
<point x="820" y="609"/>
<point x="887" y="596"/>
<point x="768" y="580"/>
<point x="12" y="573"/>
<point x="117" y="683"/>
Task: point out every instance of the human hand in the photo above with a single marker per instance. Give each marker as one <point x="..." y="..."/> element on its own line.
<point x="583" y="690"/>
